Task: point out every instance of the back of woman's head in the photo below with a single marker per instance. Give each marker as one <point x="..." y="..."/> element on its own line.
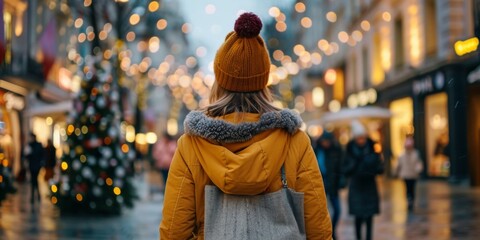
<point x="242" y="67"/>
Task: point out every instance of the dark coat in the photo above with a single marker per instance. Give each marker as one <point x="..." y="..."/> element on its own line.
<point x="36" y="156"/>
<point x="362" y="165"/>
<point x="333" y="163"/>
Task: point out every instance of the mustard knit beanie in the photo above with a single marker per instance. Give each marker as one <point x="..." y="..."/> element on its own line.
<point x="242" y="63"/>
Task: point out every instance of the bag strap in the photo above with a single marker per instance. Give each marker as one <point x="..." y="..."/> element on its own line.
<point x="284" y="177"/>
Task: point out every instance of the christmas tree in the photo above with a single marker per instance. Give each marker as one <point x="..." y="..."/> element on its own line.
<point x="96" y="167"/>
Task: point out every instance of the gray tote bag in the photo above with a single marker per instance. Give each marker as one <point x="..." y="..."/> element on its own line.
<point x="277" y="215"/>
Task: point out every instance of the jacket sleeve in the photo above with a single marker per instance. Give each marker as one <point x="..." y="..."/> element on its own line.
<point x="178" y="220"/>
<point x="309" y="181"/>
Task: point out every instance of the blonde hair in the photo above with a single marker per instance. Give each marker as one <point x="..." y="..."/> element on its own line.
<point x="223" y="102"/>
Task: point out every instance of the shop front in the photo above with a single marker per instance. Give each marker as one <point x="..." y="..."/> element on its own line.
<point x="439" y="104"/>
<point x="473" y="125"/>
<point x="11" y="108"/>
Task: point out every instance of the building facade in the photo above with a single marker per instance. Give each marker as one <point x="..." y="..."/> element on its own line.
<point x="419" y="59"/>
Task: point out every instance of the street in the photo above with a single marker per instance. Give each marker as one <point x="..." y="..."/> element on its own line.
<point x="442" y="211"/>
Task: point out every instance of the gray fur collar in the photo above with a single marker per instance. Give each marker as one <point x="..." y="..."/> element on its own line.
<point x="198" y="124"/>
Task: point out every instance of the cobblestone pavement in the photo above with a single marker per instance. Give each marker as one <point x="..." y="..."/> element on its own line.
<point x="442" y="211"/>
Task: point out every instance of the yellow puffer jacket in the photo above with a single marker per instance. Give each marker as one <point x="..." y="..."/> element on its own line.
<point x="241" y="154"/>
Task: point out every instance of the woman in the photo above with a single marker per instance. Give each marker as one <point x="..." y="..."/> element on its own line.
<point x="240" y="143"/>
<point x="362" y="166"/>
<point x="409" y="167"/>
<point x="329" y="156"/>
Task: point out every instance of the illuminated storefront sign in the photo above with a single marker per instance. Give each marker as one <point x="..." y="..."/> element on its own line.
<point x="466" y="46"/>
<point x="429" y="84"/>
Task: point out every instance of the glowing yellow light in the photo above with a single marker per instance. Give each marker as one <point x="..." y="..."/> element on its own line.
<point x="281" y="26"/>
<point x="365" y="25"/>
<point x="172" y="127"/>
<point x="318" y="97"/>
<point x="140" y="139"/>
<point x="377" y="148"/>
<point x="316" y="58"/>
<point x="134" y="19"/>
<point x="278" y="55"/>
<point x="386" y="16"/>
<point x="84" y="129"/>
<point x="466" y="46"/>
<point x="78" y="22"/>
<point x="70" y="129"/>
<point x="323" y="44"/>
<point x="151" y="137"/>
<point x="154" y="44"/>
<point x="109" y="181"/>
<point x="103" y="35"/>
<point x="64" y="166"/>
<point x="330" y="76"/>
<point x="300" y="7"/>
<point x="130" y="36"/>
<point x="298" y="49"/>
<point x="334" y="106"/>
<point x="54" y="188"/>
<point x="153" y="6"/>
<point x="49" y="121"/>
<point x="83" y="158"/>
<point x="306" y="22"/>
<point x="79" y="197"/>
<point x="343" y="36"/>
<point x="357" y="35"/>
<point x="117" y="191"/>
<point x="5" y="163"/>
<point x="54" y="200"/>
<point x="274" y="12"/>
<point x="162" y="24"/>
<point x="352" y="101"/>
<point x="1" y="178"/>
<point x="82" y="37"/>
<point x="130" y="133"/>
<point x="125" y="148"/>
<point x="331" y="16"/>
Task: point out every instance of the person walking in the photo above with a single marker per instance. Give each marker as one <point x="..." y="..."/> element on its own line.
<point x="362" y="164"/>
<point x="329" y="156"/>
<point x="50" y="160"/>
<point x="241" y="146"/>
<point x="163" y="152"/>
<point x="409" y="168"/>
<point x="35" y="155"/>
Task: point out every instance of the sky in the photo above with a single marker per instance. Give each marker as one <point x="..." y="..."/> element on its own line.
<point x="211" y="20"/>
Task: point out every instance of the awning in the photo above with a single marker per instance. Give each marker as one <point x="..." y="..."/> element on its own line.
<point x="346" y="115"/>
<point x="50" y="109"/>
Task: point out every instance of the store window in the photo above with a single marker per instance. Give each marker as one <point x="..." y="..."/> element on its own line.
<point x="401" y="124"/>
<point x="431" y="27"/>
<point x="437" y="140"/>
<point x="399" y="48"/>
<point x="378" y="73"/>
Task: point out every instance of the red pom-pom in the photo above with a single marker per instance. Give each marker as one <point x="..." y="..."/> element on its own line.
<point x="248" y="25"/>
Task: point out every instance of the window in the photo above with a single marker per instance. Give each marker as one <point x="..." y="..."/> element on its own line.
<point x="365" y="68"/>
<point x="399" y="48"/>
<point x="431" y="42"/>
<point x="378" y="74"/>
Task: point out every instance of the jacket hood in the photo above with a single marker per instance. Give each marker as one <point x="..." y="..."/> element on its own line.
<point x="242" y="153"/>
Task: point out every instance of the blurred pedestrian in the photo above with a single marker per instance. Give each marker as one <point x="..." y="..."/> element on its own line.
<point x="329" y="157"/>
<point x="35" y="155"/>
<point x="50" y="160"/>
<point x="362" y="164"/>
<point x="163" y="152"/>
<point x="239" y="152"/>
<point x="409" y="168"/>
